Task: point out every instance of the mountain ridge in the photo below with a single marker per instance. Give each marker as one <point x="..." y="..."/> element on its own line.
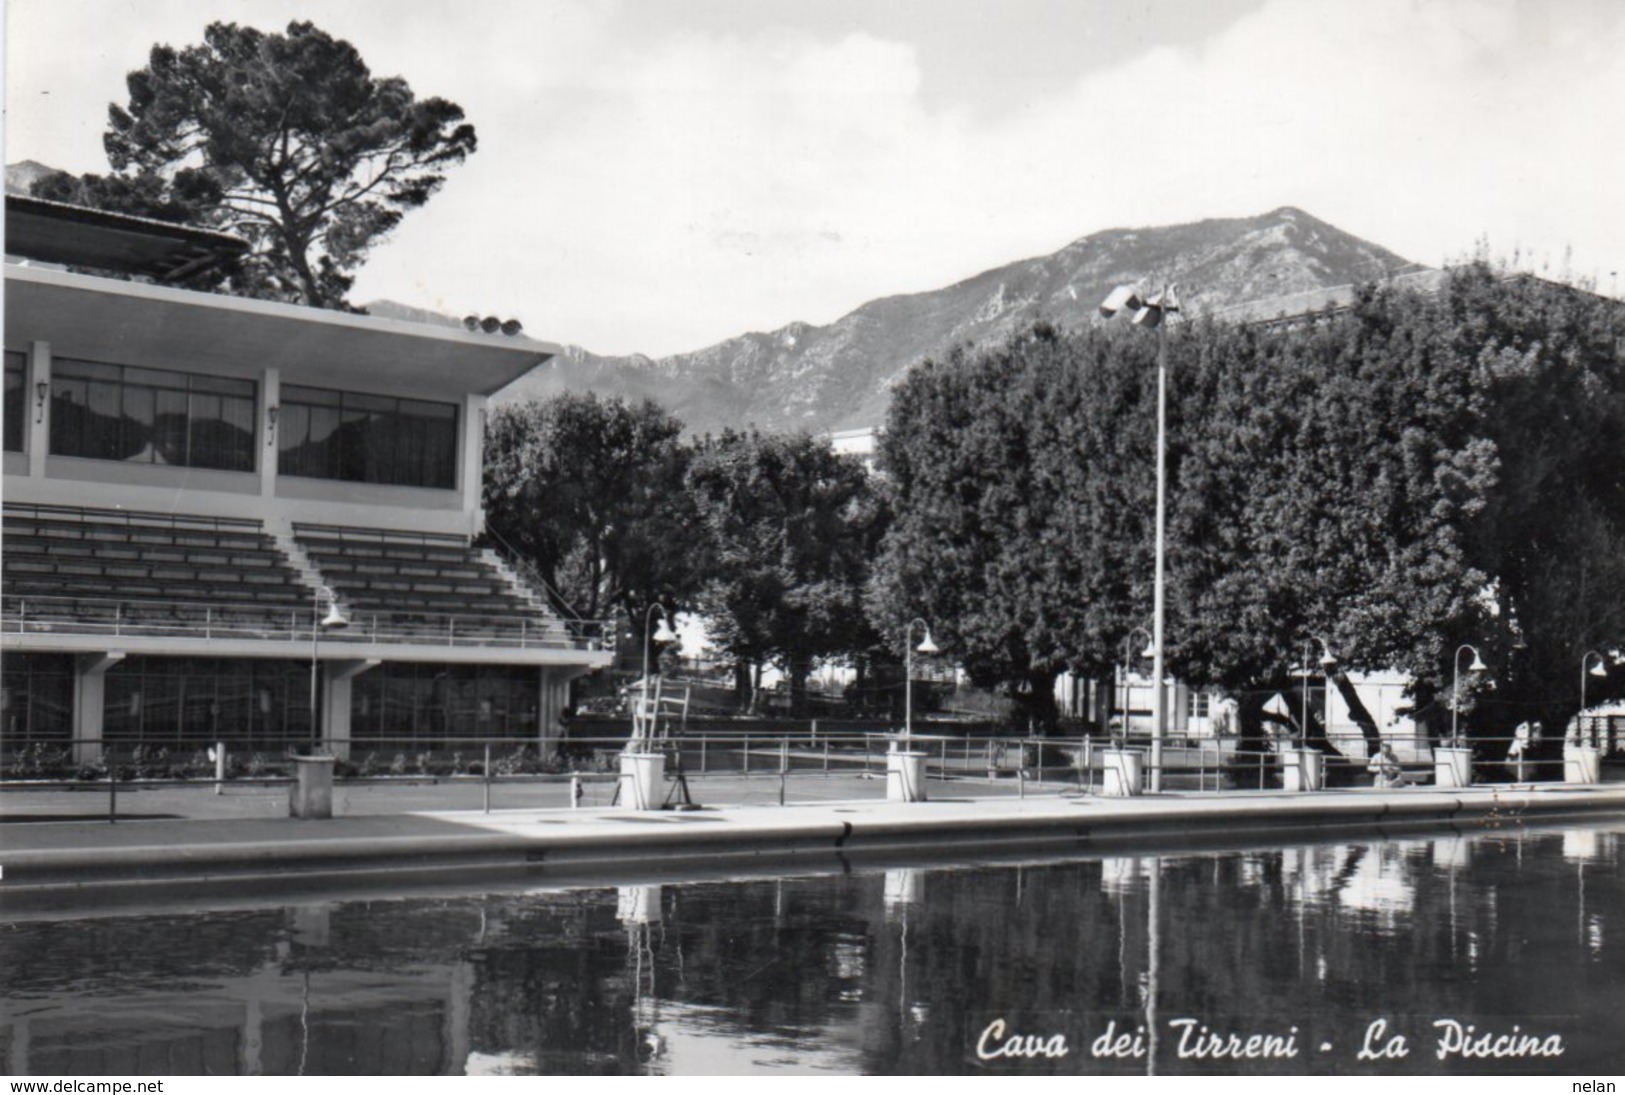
<point x="803" y="376"/>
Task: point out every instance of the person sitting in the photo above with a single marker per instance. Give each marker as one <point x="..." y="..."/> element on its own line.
<point x="1524" y="740"/>
<point x="1385" y="768"/>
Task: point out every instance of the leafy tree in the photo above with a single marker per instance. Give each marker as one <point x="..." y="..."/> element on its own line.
<point x="1417" y="471"/>
<point x="286" y="140"/>
<point x="1021" y="478"/>
<point x="591" y="491"/>
<point x="1423" y="470"/>
<point x="791" y="527"/>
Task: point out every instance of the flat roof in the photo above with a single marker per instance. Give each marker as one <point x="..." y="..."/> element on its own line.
<point x="132" y="323"/>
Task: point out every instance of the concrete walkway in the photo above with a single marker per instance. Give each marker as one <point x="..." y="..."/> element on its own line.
<point x="51" y="862"/>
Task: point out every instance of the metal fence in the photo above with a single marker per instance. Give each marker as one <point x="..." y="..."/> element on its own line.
<point x="392" y="775"/>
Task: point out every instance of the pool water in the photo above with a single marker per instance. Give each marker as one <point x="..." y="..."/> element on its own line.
<point x="1490" y="951"/>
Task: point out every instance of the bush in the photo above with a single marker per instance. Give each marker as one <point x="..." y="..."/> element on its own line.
<point x="39" y="761"/>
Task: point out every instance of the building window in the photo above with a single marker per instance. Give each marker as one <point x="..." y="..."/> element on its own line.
<point x="189" y="703"/>
<point x="16" y="399"/>
<point x="36" y="700"/>
<point x="423" y="705"/>
<point x="1197" y="706"/>
<point x="325" y="434"/>
<point x="151" y="416"/>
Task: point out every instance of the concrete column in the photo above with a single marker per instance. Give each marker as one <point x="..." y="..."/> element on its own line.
<point x="335" y="702"/>
<point x="554" y="687"/>
<point x="38" y="418"/>
<point x="90" y="703"/>
<point x="269" y="435"/>
<point x="470" y="460"/>
<point x="553" y="690"/>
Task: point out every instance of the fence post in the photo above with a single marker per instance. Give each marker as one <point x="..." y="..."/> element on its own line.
<point x="575" y="791"/>
<point x="746" y="741"/>
<point x="112" y="789"/>
<point x="702" y="754"/>
<point x="826" y="756"/>
<point x="943" y="773"/>
<point x="784" y="767"/>
<point x="1021" y="777"/>
<point x="486" y="772"/>
<point x="219" y="766"/>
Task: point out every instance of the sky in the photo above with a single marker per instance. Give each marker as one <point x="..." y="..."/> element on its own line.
<point x="656" y="176"/>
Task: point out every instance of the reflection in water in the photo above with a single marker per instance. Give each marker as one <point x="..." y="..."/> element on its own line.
<point x="901" y="971"/>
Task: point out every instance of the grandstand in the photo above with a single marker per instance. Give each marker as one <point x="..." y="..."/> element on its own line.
<point x="192" y="479"/>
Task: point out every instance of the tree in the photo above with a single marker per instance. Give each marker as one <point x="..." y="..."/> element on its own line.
<point x="286" y="140"/>
<point x="791" y="527"/>
<point x="1021" y="480"/>
<point x="591" y="492"/>
<point x="1419" y="470"/>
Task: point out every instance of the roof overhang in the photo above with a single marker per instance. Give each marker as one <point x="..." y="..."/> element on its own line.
<point x="133" y="323"/>
<point x="74" y="235"/>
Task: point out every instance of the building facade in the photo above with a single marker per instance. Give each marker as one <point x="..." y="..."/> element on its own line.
<point x="195" y="484"/>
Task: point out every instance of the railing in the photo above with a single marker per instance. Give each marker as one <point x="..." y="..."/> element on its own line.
<point x="52" y="614"/>
<point x="777" y="766"/>
<point x="135" y="518"/>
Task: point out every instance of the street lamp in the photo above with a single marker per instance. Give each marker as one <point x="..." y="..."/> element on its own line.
<point x="335" y="619"/>
<point x="1149" y="312"/>
<point x="1478" y="666"/>
<point x="1328" y="662"/>
<point x="1598" y="670"/>
<point x="643" y="724"/>
<point x="1148" y="652"/>
<point x="926" y="647"/>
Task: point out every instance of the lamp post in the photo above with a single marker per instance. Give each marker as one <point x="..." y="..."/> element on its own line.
<point x="336" y="618"/>
<point x="926" y="647"/>
<point x="1598" y="670"/>
<point x="1478" y="666"/>
<point x="1149" y="312"/>
<point x="1327" y="663"/>
<point x="644" y="723"/>
<point x="1149" y="651"/>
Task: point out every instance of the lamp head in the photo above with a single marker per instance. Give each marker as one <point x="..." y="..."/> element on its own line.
<point x="926" y="645"/>
<point x="1150" y="650"/>
<point x="664" y="633"/>
<point x="336" y="617"/>
<point x="1478" y="665"/>
<point x="1328" y="661"/>
<point x="1599" y="669"/>
<point x="1124" y="296"/>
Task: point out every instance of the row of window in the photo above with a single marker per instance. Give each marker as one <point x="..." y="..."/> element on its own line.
<point x="154" y="416"/>
<point x="191" y="702"/>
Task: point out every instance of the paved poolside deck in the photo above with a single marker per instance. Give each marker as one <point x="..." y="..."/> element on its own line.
<point x="48" y="863"/>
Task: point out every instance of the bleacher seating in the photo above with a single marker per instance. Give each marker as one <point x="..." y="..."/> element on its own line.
<point x="94" y="565"/>
<point x="115" y="571"/>
<point x="433" y="581"/>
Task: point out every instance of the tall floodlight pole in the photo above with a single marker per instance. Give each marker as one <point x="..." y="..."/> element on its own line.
<point x="1149" y="312"/>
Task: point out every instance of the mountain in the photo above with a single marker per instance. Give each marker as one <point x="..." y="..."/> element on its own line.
<point x="22" y="175"/>
<point x="839" y="376"/>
